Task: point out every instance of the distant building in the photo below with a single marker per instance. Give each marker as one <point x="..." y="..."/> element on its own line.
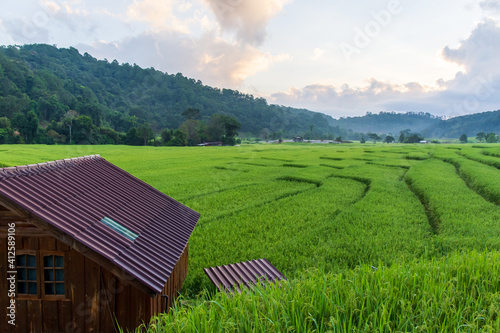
<point x="298" y="139"/>
<point x="211" y="143"/>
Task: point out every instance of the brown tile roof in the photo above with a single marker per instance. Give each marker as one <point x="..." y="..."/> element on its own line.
<point x="102" y="207"/>
<point x="246" y="274"/>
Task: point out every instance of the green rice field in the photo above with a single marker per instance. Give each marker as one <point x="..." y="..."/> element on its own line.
<point x="372" y="238"/>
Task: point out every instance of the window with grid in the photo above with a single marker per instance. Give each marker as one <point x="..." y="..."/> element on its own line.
<point x="53" y="275"/>
<point x="40" y="274"/>
<point x="26" y="275"/>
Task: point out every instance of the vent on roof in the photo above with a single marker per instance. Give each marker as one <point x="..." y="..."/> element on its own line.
<point x="119" y="228"/>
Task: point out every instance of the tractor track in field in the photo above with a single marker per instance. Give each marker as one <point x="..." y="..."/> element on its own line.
<point x="406" y="167"/>
<point x="332" y="166"/>
<point x="218" y="167"/>
<point x="432" y="218"/>
<point x="257" y="205"/>
<point x="495" y="164"/>
<point x="468" y="183"/>
<point x="191" y="197"/>
<point x="489" y="154"/>
<point x="365" y="181"/>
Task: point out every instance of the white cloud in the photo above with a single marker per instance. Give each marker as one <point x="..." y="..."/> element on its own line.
<point x="479" y="52"/>
<point x="206" y="24"/>
<point x="474" y="90"/>
<point x="184" y="7"/>
<point x="4" y="32"/>
<point x="52" y="6"/>
<point x="210" y="59"/>
<point x="248" y="18"/>
<point x="158" y="14"/>
<point x="375" y="96"/>
<point x="490" y="6"/>
<point x="318" y="53"/>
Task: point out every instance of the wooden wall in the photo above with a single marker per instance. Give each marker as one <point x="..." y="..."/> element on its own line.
<point x="172" y="287"/>
<point x="94" y="296"/>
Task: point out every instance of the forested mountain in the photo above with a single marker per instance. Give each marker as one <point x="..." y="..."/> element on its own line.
<point x="469" y="125"/>
<point x="388" y="122"/>
<point x="428" y="125"/>
<point x="50" y="94"/>
<point x="51" y="81"/>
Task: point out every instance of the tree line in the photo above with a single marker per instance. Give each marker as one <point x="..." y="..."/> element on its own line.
<point x="80" y="129"/>
<point x="481" y="136"/>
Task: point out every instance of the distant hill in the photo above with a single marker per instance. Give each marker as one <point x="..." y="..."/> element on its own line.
<point x="52" y="80"/>
<point x="426" y="124"/>
<point x="488" y="122"/>
<point x="388" y="122"/>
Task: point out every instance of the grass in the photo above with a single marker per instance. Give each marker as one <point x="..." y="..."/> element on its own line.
<point x="321" y="215"/>
<point x="464" y="218"/>
<point x="455" y="294"/>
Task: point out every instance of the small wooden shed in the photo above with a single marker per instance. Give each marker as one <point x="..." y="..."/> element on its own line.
<point x="86" y="245"/>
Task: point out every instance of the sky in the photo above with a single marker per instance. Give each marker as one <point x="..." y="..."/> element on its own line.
<point x="342" y="58"/>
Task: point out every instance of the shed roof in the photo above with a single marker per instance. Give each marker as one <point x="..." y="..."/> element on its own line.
<point x="246" y="274"/>
<point x="118" y="218"/>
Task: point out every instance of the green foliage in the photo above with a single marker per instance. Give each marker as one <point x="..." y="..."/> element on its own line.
<point x="223" y="128"/>
<point x="51" y="81"/>
<point x="375" y="137"/>
<point x="492" y="138"/>
<point x="407" y="136"/>
<point x="471" y="125"/>
<point x="389" y="139"/>
<point x="132" y="138"/>
<point x="26" y="125"/>
<point x="418" y="155"/>
<point x="194" y="130"/>
<point x="191" y="114"/>
<point x="180" y="139"/>
<point x="84" y="130"/>
<point x="406" y="209"/>
<point x="456" y="294"/>
<point x="166" y="135"/>
<point x="467" y="220"/>
<point x="54" y="80"/>
<point x="388" y="122"/>
<point x="483" y="179"/>
<point x="463" y="138"/>
<point x="6" y="132"/>
<point x="145" y="133"/>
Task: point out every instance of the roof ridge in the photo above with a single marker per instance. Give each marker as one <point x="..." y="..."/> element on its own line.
<point x="49" y="163"/>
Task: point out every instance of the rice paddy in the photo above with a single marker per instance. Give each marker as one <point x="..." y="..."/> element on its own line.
<point x="426" y="216"/>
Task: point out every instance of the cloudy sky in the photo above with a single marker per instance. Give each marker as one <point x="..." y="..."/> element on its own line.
<point x="342" y="58"/>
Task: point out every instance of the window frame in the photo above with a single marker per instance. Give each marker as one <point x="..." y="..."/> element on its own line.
<point x="40" y="275"/>
<point x="43" y="254"/>
<point x="28" y="296"/>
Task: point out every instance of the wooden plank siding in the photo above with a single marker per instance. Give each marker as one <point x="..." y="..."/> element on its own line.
<point x="4" y="301"/>
<point x="174" y="283"/>
<point x="94" y="297"/>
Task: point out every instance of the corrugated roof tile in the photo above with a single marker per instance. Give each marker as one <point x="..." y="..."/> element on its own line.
<point x="248" y="274"/>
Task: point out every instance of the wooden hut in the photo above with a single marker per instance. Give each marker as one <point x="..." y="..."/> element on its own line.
<point x="86" y="245"/>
